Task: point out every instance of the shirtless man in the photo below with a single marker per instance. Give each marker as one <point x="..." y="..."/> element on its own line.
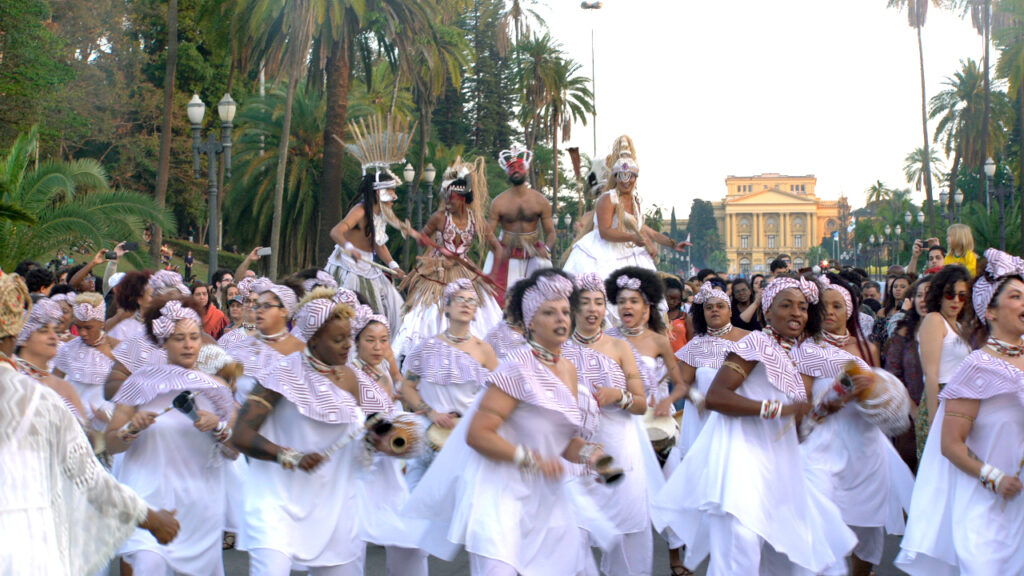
<point x="519" y="211"/>
<point x="361" y="235"/>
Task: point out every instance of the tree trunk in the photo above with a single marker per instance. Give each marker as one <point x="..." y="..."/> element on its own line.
<point x="282" y="164"/>
<point x="988" y="92"/>
<point x="163" y="169"/>
<point x="1020" y="159"/>
<point x="338" y="77"/>
<point x="954" y="175"/>
<point x="408" y="258"/>
<point x="927" y="167"/>
<point x="554" y="180"/>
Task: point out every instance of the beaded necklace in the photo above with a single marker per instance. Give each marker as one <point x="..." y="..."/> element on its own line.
<point x="30" y="369"/>
<point x="457" y="339"/>
<point x="631" y="332"/>
<point x="543" y="354"/>
<point x="837" y="340"/>
<point x="1010" y="350"/>
<point x="273" y="337"/>
<point x="719" y="332"/>
<point x="786" y="343"/>
<point x="319" y="365"/>
<point x="370" y="371"/>
<point x="587" y="340"/>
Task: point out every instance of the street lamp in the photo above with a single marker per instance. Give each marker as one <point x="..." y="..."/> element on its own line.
<point x="226" y="111"/>
<point x="593" y="7"/>
<point x="871" y="245"/>
<point x="417" y="195"/>
<point x="958" y="199"/>
<point x="1002" y="192"/>
<point x="920" y="220"/>
<point x="898" y="243"/>
<point x="990" y="173"/>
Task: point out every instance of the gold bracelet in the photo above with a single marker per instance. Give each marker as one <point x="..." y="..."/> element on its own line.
<point x="256" y="398"/>
<point x="736" y="368"/>
<point x="960" y="415"/>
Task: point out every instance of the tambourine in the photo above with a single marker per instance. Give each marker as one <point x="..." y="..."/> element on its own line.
<point x="886" y="404"/>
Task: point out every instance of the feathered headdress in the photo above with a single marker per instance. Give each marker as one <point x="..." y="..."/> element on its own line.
<point x="379" y="144"/>
<point x="514" y="155"/>
<point x="463" y="177"/>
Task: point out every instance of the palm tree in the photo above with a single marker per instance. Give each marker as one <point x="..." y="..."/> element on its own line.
<point x="64" y="203"/>
<point x="877" y="193"/>
<point x="917" y="13"/>
<point x="917" y="166"/>
<point x="571" y="101"/>
<point x="514" y="24"/>
<point x="163" y="170"/>
<point x="536" y="79"/>
<point x="1010" y="66"/>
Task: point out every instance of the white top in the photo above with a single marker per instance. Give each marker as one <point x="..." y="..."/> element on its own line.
<point x="61" y="513"/>
<point x="954" y="350"/>
<point x="450" y="379"/>
<point x="128" y="329"/>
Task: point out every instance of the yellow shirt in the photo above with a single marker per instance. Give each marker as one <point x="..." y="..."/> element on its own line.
<point x="968" y="260"/>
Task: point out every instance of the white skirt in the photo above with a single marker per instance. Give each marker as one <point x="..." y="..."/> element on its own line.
<point x="423" y="322"/>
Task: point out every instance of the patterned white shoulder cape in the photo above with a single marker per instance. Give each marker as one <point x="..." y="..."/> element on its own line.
<point x="782" y="373"/>
<point x="313" y="394"/>
<point x="152" y="381"/>
<point x="982" y="376"/>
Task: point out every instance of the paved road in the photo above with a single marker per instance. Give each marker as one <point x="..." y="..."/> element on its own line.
<point x="237" y="563"/>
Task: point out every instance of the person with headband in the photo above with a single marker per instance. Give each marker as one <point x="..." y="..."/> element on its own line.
<point x="507" y="335"/>
<point x="66" y="300"/>
<point x="247" y="327"/>
<point x="86" y="361"/>
<point x="848" y="456"/>
<point x="619" y="236"/>
<point x="497" y="488"/>
<point x="61" y="512"/>
<point x="455" y="225"/>
<point x="444" y="373"/>
<point x="608" y="372"/>
<point x="297" y="426"/>
<point x="272" y="341"/>
<point x="636" y="293"/>
<point x="746" y="465"/>
<point x="967" y="516"/>
<point x="519" y="212"/>
<point x="35" y="349"/>
<point x="383" y="487"/>
<point x="698" y="362"/>
<point x="363" y="234"/>
<point x="173" y="453"/>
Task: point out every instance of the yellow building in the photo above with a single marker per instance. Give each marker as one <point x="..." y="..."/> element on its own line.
<point x="770" y="214"/>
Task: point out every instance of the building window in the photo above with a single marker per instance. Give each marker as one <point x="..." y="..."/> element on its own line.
<point x="771" y="242"/>
<point x="803" y="188"/>
<point x="745" y="266"/>
<point x="745" y="242"/>
<point x="798" y="241"/>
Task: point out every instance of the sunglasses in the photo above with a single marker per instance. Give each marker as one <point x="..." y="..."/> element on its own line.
<point x="961" y="296"/>
<point x="464" y="300"/>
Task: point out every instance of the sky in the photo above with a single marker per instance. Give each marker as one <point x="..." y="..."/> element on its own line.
<point x="708" y="89"/>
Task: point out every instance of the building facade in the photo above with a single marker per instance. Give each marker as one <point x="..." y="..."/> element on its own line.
<point x="770" y="214"/>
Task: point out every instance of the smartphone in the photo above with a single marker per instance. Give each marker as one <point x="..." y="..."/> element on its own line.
<point x="263" y="252"/>
<point x="130" y="246"/>
<point x="111" y="255"/>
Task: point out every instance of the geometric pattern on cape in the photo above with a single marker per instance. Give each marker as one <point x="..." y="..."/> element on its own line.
<point x="782" y="373"/>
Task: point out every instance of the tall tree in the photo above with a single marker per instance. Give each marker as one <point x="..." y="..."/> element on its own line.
<point x="917" y="13"/>
<point x="877" y="193"/>
<point x="1010" y="66"/>
<point x="163" y="170"/>
<point x="703" y="228"/>
<point x="918" y="165"/>
<point x="571" y="101"/>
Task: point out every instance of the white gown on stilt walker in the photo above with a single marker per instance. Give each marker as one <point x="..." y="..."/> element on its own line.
<point x="592" y="253"/>
<point x="956" y="525"/>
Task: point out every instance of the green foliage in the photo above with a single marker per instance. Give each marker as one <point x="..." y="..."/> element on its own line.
<point x="708" y="250"/>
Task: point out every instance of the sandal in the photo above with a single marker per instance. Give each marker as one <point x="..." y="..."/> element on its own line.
<point x="229" y="541"/>
<point x="680" y="570"/>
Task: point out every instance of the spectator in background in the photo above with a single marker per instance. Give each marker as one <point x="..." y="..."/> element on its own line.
<point x="214" y="321"/>
<point x="898" y="285"/>
<point x="189" y="260"/>
<point x="960" y="241"/>
<point x="704" y="274"/>
<point x="903" y="360"/>
<point x="942" y="344"/>
<point x="871" y="295"/>
<point x="678" y="333"/>
<point x="24" y="266"/>
<point x="757" y="282"/>
<point x="39" y="282"/>
<point x="745" y="304"/>
<point x="936" y="259"/>
<point x="220" y="278"/>
<point x="236" y="309"/>
<point x="779" y="267"/>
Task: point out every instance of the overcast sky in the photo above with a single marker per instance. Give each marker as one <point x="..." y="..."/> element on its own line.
<point x="743" y="87"/>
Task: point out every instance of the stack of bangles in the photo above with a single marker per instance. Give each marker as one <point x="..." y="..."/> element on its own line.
<point x="222" y="433"/>
<point x="525" y="459"/>
<point x="128" y="433"/>
<point x="626" y="402"/>
<point x="990" y="477"/>
<point x="771" y="409"/>
<point x="289" y="459"/>
<point x="587" y="454"/>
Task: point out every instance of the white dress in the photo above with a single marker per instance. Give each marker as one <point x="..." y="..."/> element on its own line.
<point x="128" y="329"/>
<point x="60" y="513"/>
<point x="307" y="516"/>
<point x="652" y="370"/>
<point x="740" y="493"/>
<point x="626" y="504"/>
<point x="369" y="281"/>
<point x="491" y="508"/>
<point x="256" y="357"/>
<point x="87" y="369"/>
<point x="450" y="381"/>
<point x="423" y="316"/>
<point x="705" y="354"/>
<point x="504" y="339"/>
<point x="174" y="466"/>
<point x="591" y="253"/>
<point x="973" y="531"/>
<point x="851" y="461"/>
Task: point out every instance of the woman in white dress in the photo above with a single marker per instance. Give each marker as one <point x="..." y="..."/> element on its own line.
<point x="497" y="487"/>
<point x="967" y="516"/>
<point x="453" y="229"/>
<point x="740" y="494"/>
<point x="619" y="237"/>
<point x="383" y="487"/>
<point x="175" y="460"/>
<point x="86" y="361"/>
<point x="133" y="295"/>
<point x="607" y="368"/>
<point x="297" y="426"/>
<point x="445" y="373"/>
<point x="36" y="347"/>
<point x="508" y="334"/>
<point x="699" y="361"/>
<point x="850" y="459"/>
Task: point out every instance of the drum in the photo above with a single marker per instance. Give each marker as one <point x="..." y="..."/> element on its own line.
<point x="886" y="404"/>
<point x="662" y="431"/>
<point x="436" y="436"/>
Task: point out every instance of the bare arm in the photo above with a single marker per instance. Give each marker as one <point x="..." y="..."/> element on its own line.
<point x="750" y="311"/>
<point x="244" y="266"/>
<point x="933" y="330"/>
<point x="605" y="213"/>
<point x="254" y="412"/>
<point x="722" y="396"/>
<point x="956" y="426"/>
<point x="87" y="269"/>
<point x="688" y="374"/>
<point x="495" y="407"/>
<point x="348" y="223"/>
<point x="548" y="224"/>
<point x="118" y="374"/>
<point x="672" y="365"/>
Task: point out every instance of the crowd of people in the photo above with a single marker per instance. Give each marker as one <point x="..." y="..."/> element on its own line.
<point x="526" y="413"/>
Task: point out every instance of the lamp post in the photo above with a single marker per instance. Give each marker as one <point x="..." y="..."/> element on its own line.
<point x="871" y="245"/>
<point x="226" y="111"/>
<point x="920" y="220"/>
<point x="417" y="195"/>
<point x="990" y="173"/>
<point x="1002" y="192"/>
<point x="958" y="199"/>
<point x="593" y="6"/>
<point x="856" y="255"/>
<point x="887" y="241"/>
<point x="898" y="243"/>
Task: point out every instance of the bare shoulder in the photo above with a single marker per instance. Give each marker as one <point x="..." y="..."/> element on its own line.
<point x="357" y="211"/>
